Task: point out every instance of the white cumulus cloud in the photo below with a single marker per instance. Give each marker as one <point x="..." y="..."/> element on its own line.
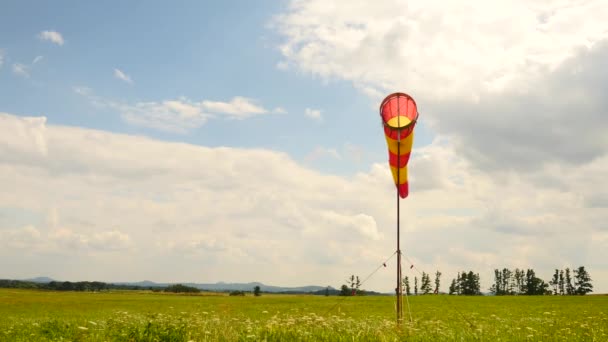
<point x="314" y="114"/>
<point x="229" y="214"/>
<point x="498" y="79"/>
<point x="52" y="36"/>
<point x="437" y="48"/>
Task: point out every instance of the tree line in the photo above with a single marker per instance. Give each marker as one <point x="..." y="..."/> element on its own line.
<point x="506" y="282"/>
<point x="61" y="285"/>
<point x="90" y="286"/>
<point x="519" y="282"/>
<point x="426" y="286"/>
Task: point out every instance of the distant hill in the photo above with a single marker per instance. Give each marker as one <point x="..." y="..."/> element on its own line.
<point x="42" y="280"/>
<point x="145" y="283"/>
<point x="221" y="286"/>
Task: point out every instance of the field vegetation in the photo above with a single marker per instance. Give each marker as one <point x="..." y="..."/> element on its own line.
<point x="35" y="315"/>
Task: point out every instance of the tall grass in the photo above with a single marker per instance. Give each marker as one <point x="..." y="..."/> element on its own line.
<point x="27" y="315"/>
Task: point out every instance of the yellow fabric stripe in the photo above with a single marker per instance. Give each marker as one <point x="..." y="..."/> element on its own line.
<point x="398" y="121"/>
<point x="406" y="144"/>
<point x="402" y="174"/>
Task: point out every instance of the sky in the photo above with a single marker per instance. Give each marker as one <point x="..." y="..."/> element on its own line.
<point x="240" y="141"/>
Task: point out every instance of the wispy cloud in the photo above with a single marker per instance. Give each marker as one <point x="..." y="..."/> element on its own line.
<point x="314" y="114"/>
<point x="21" y="70"/>
<point x="1" y="57"/>
<point x="24" y="70"/>
<point x="52" y="36"/>
<point x="178" y="115"/>
<point x="282" y="66"/>
<point x="279" y="110"/>
<point x="237" y="108"/>
<point x="122" y="76"/>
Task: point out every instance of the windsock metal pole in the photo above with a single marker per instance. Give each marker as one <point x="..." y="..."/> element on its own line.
<point x="399" y="288"/>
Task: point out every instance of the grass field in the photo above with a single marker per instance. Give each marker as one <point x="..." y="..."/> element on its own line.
<point x="144" y="316"/>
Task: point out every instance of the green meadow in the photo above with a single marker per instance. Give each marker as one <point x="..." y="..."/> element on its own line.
<point x="33" y="315"/>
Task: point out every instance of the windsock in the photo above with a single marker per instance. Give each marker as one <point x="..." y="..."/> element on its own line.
<point x="399" y="114"/>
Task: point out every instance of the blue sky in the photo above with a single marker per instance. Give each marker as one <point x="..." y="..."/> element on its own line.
<point x="196" y="50"/>
<point x="242" y="139"/>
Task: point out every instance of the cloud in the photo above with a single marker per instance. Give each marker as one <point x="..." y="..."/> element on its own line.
<point x="238" y="108"/>
<point x="282" y="66"/>
<point x="24" y="70"/>
<point x="563" y="121"/>
<point x="1" y="57"/>
<point x="158" y="203"/>
<point x="314" y="114"/>
<point x="21" y="70"/>
<point x="437" y="50"/>
<point x="178" y="115"/>
<point x="360" y="223"/>
<point x="122" y="76"/>
<point x="110" y="240"/>
<point x="52" y="36"/>
<point x="28" y="139"/>
<point x="23" y="237"/>
<point x="517" y="91"/>
<point x="279" y="110"/>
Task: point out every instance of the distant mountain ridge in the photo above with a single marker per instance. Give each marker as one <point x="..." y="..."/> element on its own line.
<point x="219" y="286"/>
<point x="222" y="286"/>
<point x="40" y="280"/>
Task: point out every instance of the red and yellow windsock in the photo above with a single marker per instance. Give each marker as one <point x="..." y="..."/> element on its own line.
<point x="399" y="115"/>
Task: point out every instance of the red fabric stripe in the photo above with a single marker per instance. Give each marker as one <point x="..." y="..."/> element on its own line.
<point x="403" y="190"/>
<point x="403" y="160"/>
<point x="392" y="133"/>
<point x="398" y="104"/>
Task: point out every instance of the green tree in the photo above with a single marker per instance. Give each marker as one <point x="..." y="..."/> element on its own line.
<point x="497" y="287"/>
<point x="561" y="283"/>
<point x="569" y="286"/>
<point x="179" y="288"/>
<point x="463" y="285"/>
<point x="344" y="290"/>
<point x="425" y="285"/>
<point x="472" y="285"/>
<point x="354" y="284"/>
<point x="534" y="285"/>
<point x="257" y="291"/>
<point x="415" y="286"/>
<point x="520" y="277"/>
<point x="406" y="283"/>
<point x="555" y="281"/>
<point x="582" y="281"/>
<point x="452" y="287"/>
<point x="437" y="281"/>
<point x="506" y="281"/>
